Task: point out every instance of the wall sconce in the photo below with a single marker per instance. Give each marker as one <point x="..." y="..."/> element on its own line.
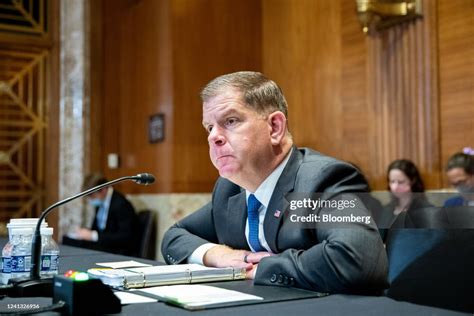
<point x="381" y="14"/>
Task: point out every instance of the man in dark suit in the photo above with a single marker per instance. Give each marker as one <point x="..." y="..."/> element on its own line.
<point x="249" y="222"/>
<point x="115" y="223"/>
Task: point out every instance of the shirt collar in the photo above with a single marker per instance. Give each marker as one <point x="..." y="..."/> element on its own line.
<point x="265" y="190"/>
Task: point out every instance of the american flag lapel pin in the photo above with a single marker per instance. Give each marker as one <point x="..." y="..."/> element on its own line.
<point x="277" y="213"/>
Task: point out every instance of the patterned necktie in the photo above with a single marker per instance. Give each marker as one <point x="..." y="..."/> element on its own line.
<point x="252" y="208"/>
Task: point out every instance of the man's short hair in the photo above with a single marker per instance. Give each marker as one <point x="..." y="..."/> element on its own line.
<point x="258" y="92"/>
<point x="463" y="161"/>
<point x="92" y="180"/>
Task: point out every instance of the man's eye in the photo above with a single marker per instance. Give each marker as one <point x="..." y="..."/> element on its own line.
<point x="209" y="128"/>
<point x="231" y="121"/>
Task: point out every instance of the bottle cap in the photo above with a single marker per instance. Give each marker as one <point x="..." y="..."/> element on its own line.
<point x="48" y="231"/>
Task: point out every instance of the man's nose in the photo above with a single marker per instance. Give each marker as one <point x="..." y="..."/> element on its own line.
<point x="216" y="137"/>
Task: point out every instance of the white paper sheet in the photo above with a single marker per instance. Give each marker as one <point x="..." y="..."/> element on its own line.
<point x="130" y="298"/>
<point x="123" y="264"/>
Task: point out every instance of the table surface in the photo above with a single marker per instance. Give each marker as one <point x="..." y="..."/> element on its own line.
<point x="83" y="259"/>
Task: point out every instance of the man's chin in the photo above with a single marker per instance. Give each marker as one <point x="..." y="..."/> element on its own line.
<point x="228" y="173"/>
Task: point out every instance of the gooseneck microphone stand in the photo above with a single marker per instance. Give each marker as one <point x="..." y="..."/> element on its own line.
<point x="35" y="285"/>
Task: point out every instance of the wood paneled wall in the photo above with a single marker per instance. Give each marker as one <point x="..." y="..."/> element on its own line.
<point x="368" y="100"/>
<point x="402" y="96"/>
<point x="406" y="92"/>
<point x="301" y="55"/>
<point x="157" y="57"/>
<point x="210" y="38"/>
<point x="137" y="83"/>
<point x="456" y="72"/>
<point x="316" y="51"/>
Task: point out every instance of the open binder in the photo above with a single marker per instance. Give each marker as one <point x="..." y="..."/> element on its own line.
<point x="165" y="275"/>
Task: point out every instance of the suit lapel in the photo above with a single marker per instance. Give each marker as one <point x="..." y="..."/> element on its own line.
<point x="278" y="203"/>
<point x="237" y="217"/>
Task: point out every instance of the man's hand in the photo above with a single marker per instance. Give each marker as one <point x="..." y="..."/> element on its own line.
<point x="250" y="275"/>
<point x="254" y="258"/>
<point x="83" y="233"/>
<point x="222" y="256"/>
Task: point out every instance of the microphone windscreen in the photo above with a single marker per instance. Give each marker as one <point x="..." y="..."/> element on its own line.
<point x="144" y="178"/>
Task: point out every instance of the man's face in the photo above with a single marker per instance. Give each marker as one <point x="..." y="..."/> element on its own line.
<point x="239" y="138"/>
<point x="462" y="181"/>
<point x="96" y="199"/>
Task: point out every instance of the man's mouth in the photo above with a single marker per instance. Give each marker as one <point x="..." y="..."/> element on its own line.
<point x="223" y="156"/>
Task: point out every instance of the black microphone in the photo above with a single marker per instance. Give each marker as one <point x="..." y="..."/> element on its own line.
<point x="37" y="286"/>
<point x="144" y="178"/>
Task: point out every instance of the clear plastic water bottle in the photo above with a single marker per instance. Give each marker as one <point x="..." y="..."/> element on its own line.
<point x="49" y="253"/>
<point x="6" y="259"/>
<point x="21" y="253"/>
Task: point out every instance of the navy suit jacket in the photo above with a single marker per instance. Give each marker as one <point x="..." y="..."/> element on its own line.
<point x="335" y="260"/>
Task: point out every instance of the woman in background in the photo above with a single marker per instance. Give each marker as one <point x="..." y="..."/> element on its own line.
<point x="406" y="190"/>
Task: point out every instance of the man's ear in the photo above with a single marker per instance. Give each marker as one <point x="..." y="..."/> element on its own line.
<point x="277" y="122"/>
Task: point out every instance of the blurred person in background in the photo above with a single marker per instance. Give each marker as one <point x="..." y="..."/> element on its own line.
<point x="114" y="228"/>
<point x="460" y="173"/>
<point x="406" y="191"/>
